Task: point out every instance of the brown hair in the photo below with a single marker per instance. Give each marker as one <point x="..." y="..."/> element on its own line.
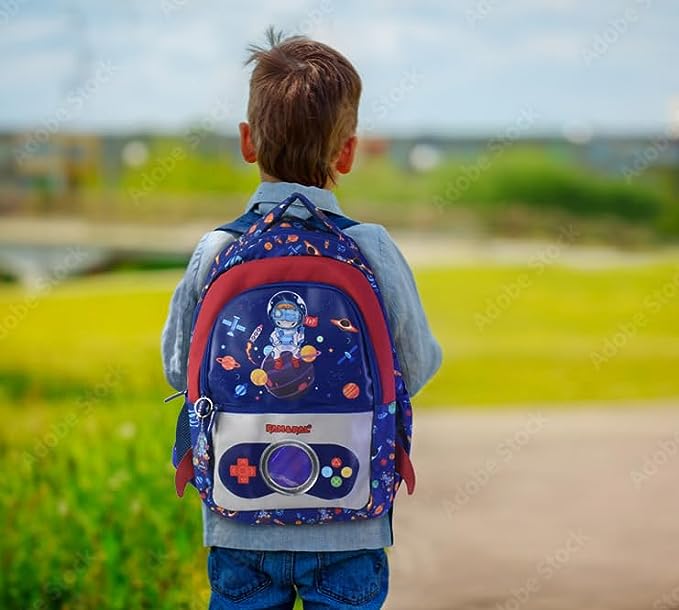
<point x="303" y="106"/>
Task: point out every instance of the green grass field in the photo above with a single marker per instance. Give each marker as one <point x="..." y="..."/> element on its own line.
<point x="88" y="507"/>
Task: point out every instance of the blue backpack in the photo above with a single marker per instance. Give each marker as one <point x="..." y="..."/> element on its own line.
<point x="295" y="410"/>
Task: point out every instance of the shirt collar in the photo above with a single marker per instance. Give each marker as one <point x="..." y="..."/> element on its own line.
<point x="269" y="194"/>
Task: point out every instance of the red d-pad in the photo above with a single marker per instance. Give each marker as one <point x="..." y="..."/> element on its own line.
<point x="243" y="471"/>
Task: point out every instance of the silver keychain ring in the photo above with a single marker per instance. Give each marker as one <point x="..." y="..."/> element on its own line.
<point x="199" y="413"/>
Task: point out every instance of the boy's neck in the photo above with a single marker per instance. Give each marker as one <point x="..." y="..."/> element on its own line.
<point x="264" y="177"/>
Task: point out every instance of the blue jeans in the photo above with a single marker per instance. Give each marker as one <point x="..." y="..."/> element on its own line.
<point x="271" y="580"/>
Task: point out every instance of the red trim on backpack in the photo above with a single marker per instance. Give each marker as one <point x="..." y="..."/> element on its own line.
<point x="300" y="269"/>
<point x="184" y="473"/>
<point x="405" y="468"/>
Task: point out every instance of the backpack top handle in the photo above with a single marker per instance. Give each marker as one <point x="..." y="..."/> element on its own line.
<point x="268" y="220"/>
<point x="324" y="218"/>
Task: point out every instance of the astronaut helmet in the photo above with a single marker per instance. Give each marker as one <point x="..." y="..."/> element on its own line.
<point x="287" y="309"/>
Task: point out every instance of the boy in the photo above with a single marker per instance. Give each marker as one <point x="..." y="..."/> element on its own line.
<point x="302" y="115"/>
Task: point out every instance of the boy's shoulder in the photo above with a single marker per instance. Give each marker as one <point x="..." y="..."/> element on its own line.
<point x="373" y="240"/>
<point x="213" y="241"/>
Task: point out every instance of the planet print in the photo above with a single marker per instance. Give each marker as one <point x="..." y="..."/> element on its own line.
<point x="309" y="353"/>
<point x="351" y="391"/>
<point x="228" y="363"/>
<point x="259" y="377"/>
<point x="289" y="380"/>
<point x="241" y="389"/>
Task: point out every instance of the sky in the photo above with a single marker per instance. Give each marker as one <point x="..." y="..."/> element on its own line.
<point x="574" y="67"/>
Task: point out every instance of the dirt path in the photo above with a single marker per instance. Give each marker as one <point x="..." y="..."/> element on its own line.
<point x="541" y="510"/>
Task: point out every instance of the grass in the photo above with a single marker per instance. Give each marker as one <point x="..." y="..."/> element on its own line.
<point x="91" y="520"/>
<point x="549" y="322"/>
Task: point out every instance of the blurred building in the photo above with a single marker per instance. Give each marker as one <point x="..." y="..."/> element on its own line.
<point x="613" y="155"/>
<point x="60" y="166"/>
<point x="49" y="166"/>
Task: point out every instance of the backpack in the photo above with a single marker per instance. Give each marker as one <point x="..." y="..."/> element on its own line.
<point x="295" y="410"/>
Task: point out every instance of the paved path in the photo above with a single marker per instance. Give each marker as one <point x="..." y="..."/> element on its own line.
<point x="422" y="250"/>
<point x="541" y="510"/>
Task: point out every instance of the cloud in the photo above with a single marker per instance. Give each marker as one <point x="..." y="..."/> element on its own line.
<point x="176" y="56"/>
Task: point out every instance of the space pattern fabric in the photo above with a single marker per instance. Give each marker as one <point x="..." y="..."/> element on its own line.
<point x="296" y="410"/>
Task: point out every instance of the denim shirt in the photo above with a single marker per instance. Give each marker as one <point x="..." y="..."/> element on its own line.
<point x="419" y="354"/>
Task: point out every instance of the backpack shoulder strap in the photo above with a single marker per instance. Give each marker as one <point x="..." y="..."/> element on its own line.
<point x="342" y="222"/>
<point x="241" y="224"/>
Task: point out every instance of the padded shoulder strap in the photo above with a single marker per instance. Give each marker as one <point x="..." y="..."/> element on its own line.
<point x="243" y="223"/>
<point x="342" y="221"/>
<point x="240" y="224"/>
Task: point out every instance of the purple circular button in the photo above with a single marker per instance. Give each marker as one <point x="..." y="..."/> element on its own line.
<point x="290" y="467"/>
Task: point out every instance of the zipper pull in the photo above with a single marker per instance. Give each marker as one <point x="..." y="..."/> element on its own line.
<point x="173" y="396"/>
<point x="201" y="457"/>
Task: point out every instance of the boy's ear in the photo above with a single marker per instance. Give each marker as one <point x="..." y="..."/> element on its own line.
<point x="247" y="148"/>
<point x="345" y="159"/>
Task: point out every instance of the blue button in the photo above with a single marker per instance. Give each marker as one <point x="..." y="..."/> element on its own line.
<point x="326" y="471"/>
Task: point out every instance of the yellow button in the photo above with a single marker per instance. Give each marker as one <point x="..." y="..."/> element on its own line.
<point x="346" y="472"/>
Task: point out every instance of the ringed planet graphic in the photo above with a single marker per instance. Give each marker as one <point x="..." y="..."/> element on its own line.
<point x="309" y="353"/>
<point x="351" y="391"/>
<point x="228" y="363"/>
<point x="344" y="324"/>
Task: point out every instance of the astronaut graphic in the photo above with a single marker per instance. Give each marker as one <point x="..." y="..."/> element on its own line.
<point x="287" y="370"/>
<point x="287" y="311"/>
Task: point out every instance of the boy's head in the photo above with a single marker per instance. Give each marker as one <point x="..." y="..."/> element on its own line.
<point x="302" y="111"/>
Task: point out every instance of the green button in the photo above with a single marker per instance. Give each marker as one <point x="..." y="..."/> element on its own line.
<point x="336" y="481"/>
